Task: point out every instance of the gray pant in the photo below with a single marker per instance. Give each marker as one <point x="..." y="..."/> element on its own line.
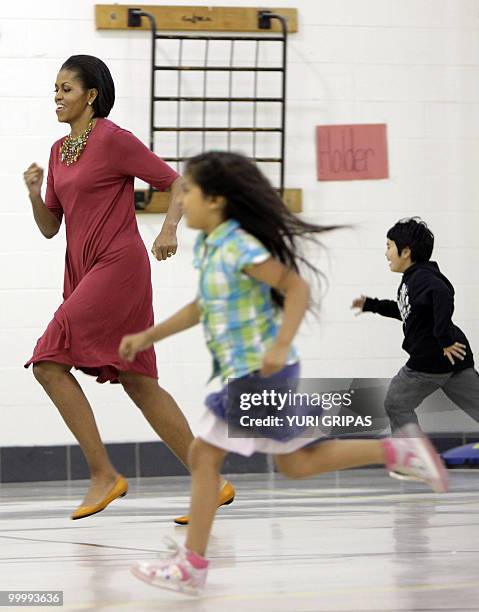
<point x="409" y="388"/>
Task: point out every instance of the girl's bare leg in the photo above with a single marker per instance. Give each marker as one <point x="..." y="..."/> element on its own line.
<point x="205" y="463"/>
<point x="329" y="456"/>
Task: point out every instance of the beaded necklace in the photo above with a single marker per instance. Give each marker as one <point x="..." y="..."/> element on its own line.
<point x="72" y="148"/>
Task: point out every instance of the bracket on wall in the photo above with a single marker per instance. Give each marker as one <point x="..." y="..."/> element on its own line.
<point x="198" y="18"/>
<point x="264" y="20"/>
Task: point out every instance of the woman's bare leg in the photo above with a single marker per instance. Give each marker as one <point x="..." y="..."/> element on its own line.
<point x="161" y="411"/>
<point x="67" y="395"/>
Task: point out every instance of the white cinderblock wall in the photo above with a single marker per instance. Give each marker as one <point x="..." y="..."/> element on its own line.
<point x="413" y="64"/>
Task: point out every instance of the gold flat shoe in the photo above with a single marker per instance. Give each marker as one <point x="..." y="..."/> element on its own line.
<point x="119" y="489"/>
<point x="226" y="497"/>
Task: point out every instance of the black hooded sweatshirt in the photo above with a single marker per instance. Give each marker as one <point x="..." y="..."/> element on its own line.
<point x="425" y="303"/>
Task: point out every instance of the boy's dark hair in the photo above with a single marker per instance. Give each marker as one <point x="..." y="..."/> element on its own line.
<point x="256" y="205"/>
<point x="414" y="233"/>
<point x="94" y="74"/>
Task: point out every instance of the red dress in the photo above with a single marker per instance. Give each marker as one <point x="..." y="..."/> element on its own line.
<point x="107" y="284"/>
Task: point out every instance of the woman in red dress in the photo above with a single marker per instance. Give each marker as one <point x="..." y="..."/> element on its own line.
<point x="107" y="282"/>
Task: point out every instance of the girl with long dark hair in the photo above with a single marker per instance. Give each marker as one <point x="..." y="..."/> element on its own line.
<point x="251" y="301"/>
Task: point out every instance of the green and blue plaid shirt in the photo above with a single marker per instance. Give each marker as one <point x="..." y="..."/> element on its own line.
<point x="238" y="314"/>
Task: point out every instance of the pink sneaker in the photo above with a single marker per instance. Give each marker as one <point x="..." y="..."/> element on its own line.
<point x="399" y="476"/>
<point x="177" y="573"/>
<point x="411" y="454"/>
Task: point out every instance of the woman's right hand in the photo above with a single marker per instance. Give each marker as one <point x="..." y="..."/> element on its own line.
<point x="33" y="177"/>
<point x="359" y="304"/>
<point x="133" y="344"/>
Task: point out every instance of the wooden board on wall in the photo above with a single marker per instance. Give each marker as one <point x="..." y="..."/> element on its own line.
<point x="161" y="201"/>
<point x="198" y="18"/>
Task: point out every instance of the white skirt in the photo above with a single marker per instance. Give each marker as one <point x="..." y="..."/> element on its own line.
<point x="215" y="431"/>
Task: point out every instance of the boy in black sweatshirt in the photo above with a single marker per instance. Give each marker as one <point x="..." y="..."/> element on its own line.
<point x="439" y="353"/>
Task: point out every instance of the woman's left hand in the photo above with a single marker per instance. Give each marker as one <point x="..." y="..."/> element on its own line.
<point x="165" y="244"/>
<point x="274" y="360"/>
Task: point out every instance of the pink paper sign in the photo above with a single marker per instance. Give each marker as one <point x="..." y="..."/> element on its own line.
<point x="351" y="152"/>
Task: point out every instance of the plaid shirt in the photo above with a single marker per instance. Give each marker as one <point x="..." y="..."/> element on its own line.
<point x="239" y="317"/>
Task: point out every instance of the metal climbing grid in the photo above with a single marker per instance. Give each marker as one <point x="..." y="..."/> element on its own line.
<point x="202" y="97"/>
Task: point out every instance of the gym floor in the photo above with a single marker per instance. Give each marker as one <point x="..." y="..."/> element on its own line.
<point x="348" y="541"/>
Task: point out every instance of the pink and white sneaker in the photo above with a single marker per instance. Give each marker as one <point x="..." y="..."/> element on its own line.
<point x="411" y="454"/>
<point x="399" y="476"/>
<point x="183" y="571"/>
